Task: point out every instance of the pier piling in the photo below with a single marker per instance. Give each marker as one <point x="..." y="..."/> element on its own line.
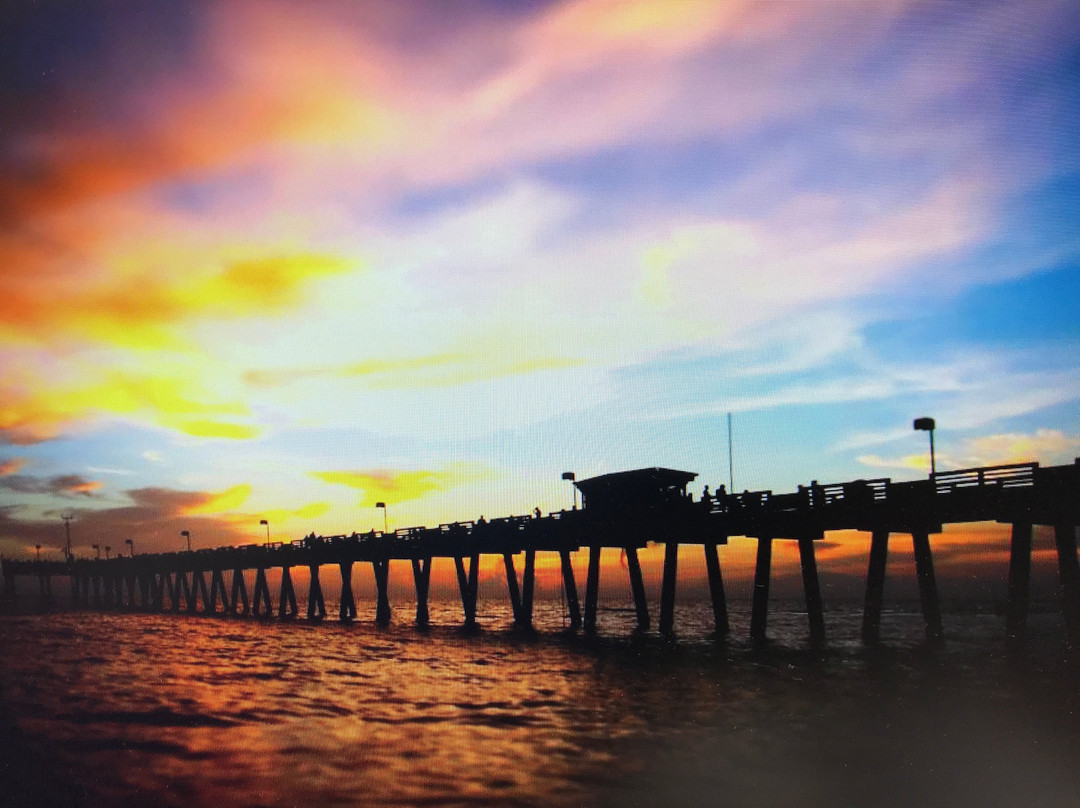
<point x="928" y="594"/>
<point x="316" y="605"/>
<point x="812" y="590"/>
<point x="347" y="610"/>
<point x="716" y="588"/>
<point x="570" y="589"/>
<point x="759" y="609"/>
<point x="1019" y="581"/>
<point x="592" y="587"/>
<point x="287" y="597"/>
<point x="421" y="577"/>
<point x="381" y="568"/>
<point x="875" y="587"/>
<point x="667" y="588"/>
<point x="637" y="587"/>
<point x="1069" y="573"/>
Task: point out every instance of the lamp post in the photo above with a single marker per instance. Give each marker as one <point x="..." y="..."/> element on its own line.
<point x="38" y="548"/>
<point x="385" y="523"/>
<point x="97" y="550"/>
<point x="569" y="475"/>
<point x="927" y="425"/>
<point x="107" y="549"/>
<point x="187" y="535"/>
<point x="131" y="547"/>
<point x="267" y="523"/>
<point x="67" y="532"/>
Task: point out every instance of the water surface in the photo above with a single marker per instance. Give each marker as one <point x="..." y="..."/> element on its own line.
<point x="132" y="709"/>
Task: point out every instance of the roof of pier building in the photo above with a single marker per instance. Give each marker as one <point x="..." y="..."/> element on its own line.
<point x="636" y="490"/>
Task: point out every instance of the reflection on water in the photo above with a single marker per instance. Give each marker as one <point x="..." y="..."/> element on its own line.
<point x="163" y="710"/>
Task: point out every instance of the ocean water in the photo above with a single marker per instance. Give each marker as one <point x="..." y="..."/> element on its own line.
<point x="162" y="710"/>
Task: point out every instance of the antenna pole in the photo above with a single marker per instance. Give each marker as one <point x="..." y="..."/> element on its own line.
<point x="730" y="458"/>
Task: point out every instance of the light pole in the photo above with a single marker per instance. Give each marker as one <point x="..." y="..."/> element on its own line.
<point x="38" y="548"/>
<point x="385" y="523"/>
<point x="107" y="549"/>
<point x="97" y="550"/>
<point x="267" y="523"/>
<point x="187" y="535"/>
<point x="131" y="546"/>
<point x="569" y="475"/>
<point x="927" y="425"/>
<point x="67" y="531"/>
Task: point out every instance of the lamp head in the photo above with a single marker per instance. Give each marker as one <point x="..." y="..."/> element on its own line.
<point x="923" y="424"/>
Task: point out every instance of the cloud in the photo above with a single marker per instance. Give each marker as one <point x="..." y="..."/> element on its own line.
<point x="11" y="466"/>
<point x="438" y="370"/>
<point x="394" y="486"/>
<point x="36" y="409"/>
<point x="143" y="302"/>
<point x="1046" y="446"/>
<point x="66" y="485"/>
<point x="223" y="502"/>
<point x="153" y="520"/>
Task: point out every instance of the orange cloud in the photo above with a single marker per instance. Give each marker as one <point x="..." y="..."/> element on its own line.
<point x="139" y="301"/>
<point x="223" y="502"/>
<point x="33" y="410"/>
<point x="390" y="486"/>
<point x="12" y="466"/>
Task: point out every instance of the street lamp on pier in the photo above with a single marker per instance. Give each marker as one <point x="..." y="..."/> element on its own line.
<point x="38" y="548"/>
<point x="187" y="535"/>
<point x="131" y="547"/>
<point x="385" y="523"/>
<point x="267" y="523"/>
<point x="97" y="550"/>
<point x="927" y="425"/>
<point x="107" y="549"/>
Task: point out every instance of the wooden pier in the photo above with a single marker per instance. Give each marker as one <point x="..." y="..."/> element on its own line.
<point x="626" y="510"/>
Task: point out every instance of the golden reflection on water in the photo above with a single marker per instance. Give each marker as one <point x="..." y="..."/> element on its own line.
<point x="176" y="710"/>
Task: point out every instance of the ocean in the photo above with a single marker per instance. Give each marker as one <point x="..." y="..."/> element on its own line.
<point x="162" y="710"/>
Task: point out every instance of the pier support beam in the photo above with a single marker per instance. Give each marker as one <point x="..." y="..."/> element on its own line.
<point x="381" y="569"/>
<point x="875" y="587"/>
<point x="812" y="590"/>
<point x="200" y="590"/>
<point x="316" y="605"/>
<point x="592" y="588"/>
<point x="667" y="588"/>
<point x="187" y="590"/>
<point x="347" y="611"/>
<point x="1019" y="582"/>
<point x="570" y="588"/>
<point x="716" y="588"/>
<point x="132" y="600"/>
<point x="928" y="594"/>
<point x="260" y="596"/>
<point x="467" y="583"/>
<point x="421" y="568"/>
<point x="217" y="588"/>
<point x="1069" y="571"/>
<point x="287" y="598"/>
<point x="171" y="585"/>
<point x="239" y="596"/>
<point x="759" y="613"/>
<point x="512" y="587"/>
<point x="528" y="585"/>
<point x="637" y="586"/>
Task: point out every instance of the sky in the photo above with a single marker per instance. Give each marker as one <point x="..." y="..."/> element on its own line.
<point x="282" y="261"/>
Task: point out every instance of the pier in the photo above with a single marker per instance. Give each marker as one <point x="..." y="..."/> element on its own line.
<point x="627" y="511"/>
